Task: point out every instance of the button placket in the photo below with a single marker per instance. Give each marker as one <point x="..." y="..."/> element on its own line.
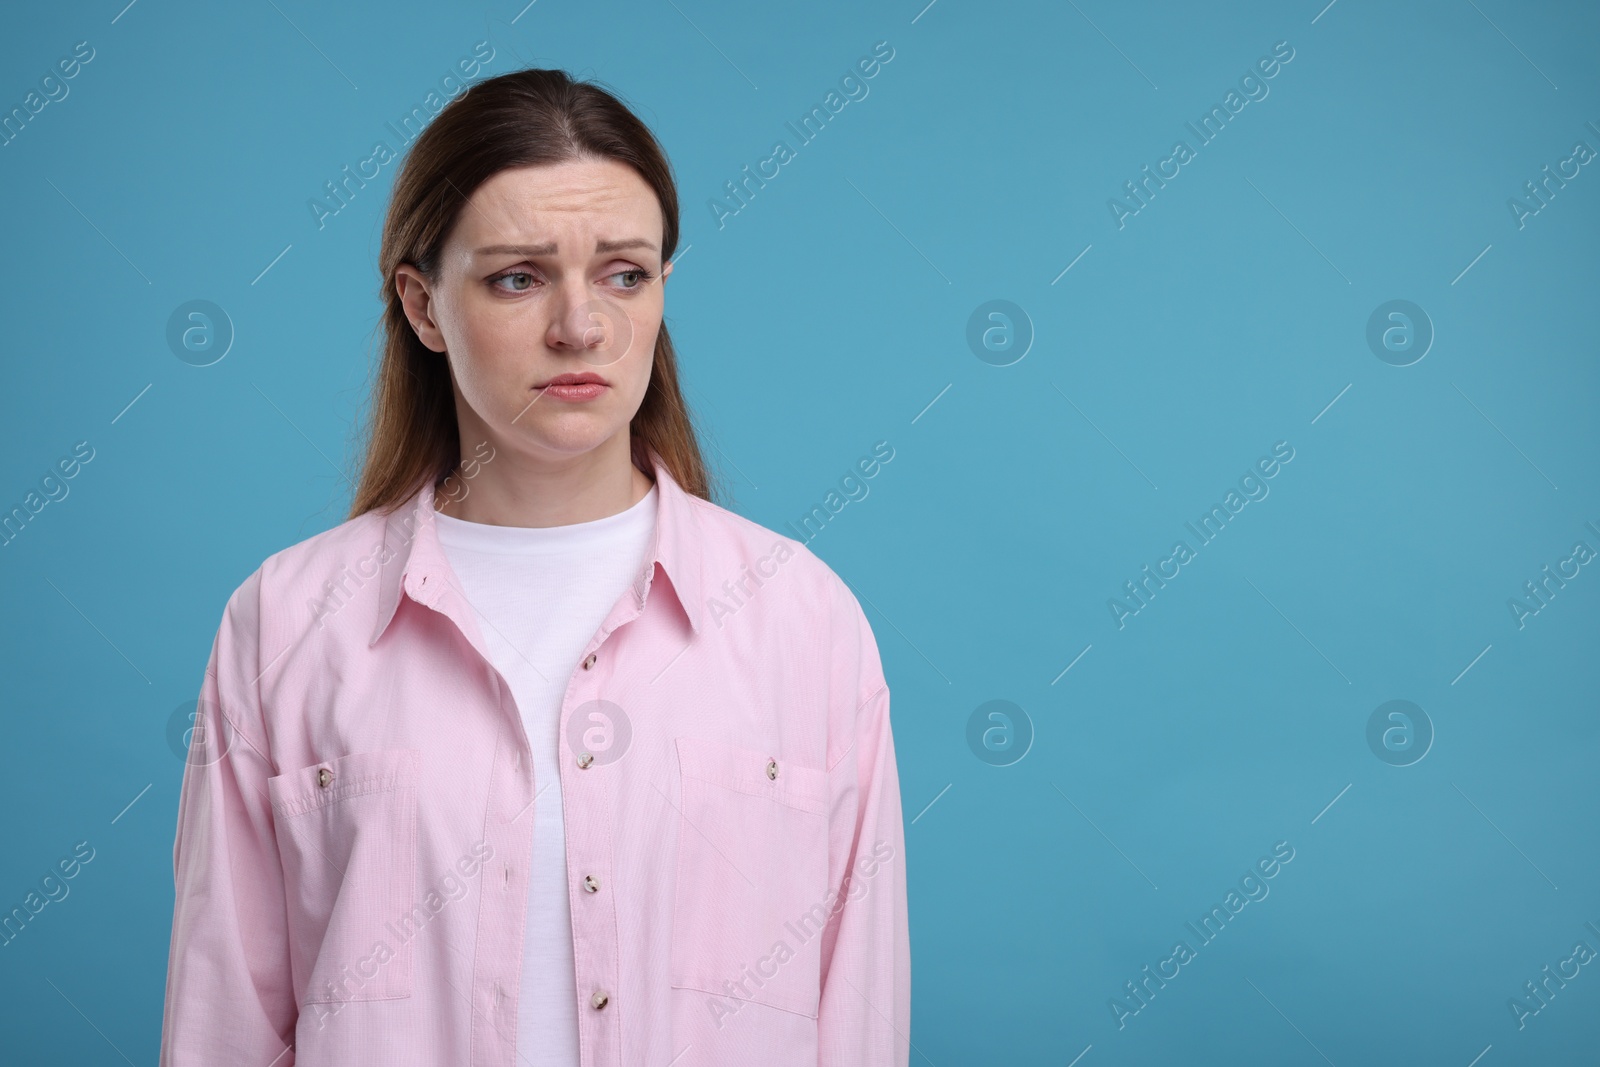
<point x="589" y="857"/>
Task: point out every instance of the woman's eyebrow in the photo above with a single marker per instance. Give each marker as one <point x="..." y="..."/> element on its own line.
<point x="549" y="249"/>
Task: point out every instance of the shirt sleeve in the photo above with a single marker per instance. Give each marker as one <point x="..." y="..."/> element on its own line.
<point x="229" y="991"/>
<point x="864" y="1016"/>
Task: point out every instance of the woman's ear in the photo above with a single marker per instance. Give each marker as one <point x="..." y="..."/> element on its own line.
<point x="412" y="288"/>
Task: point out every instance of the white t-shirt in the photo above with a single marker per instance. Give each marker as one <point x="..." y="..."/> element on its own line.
<point x="540" y="594"/>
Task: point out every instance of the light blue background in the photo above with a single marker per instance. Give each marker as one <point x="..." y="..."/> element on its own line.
<point x="829" y="314"/>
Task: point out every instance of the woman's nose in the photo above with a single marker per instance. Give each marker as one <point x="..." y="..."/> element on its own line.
<point x="594" y="326"/>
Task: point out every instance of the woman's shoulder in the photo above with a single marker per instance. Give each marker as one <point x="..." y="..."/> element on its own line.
<point x="322" y="555"/>
<point x="739" y="557"/>
<point x="729" y="541"/>
<point x="326" y="567"/>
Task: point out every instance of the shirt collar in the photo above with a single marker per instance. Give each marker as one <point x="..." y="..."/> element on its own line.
<point x="413" y="555"/>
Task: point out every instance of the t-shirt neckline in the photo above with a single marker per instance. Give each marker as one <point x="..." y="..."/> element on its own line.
<point x="487" y="537"/>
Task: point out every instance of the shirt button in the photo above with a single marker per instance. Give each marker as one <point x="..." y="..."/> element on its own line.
<point x="591" y="883"/>
<point x="589" y="661"/>
<point x="584" y="759"/>
<point x="324" y="776"/>
<point x="600" y="1000"/>
<point x="772" y="769"/>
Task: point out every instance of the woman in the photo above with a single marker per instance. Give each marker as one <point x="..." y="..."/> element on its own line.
<point x="541" y="757"/>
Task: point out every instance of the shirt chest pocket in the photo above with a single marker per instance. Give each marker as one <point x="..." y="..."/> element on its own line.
<point x="751" y="896"/>
<point x="347" y="838"/>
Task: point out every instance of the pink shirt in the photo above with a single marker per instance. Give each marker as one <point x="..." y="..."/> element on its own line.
<point x="350" y="864"/>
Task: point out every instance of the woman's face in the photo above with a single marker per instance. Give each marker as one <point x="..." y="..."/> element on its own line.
<point x="550" y="271"/>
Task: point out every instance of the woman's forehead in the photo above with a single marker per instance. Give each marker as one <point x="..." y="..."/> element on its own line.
<point x="575" y="186"/>
<point x="540" y="205"/>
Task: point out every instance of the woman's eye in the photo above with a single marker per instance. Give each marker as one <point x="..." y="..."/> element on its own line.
<point x="516" y="274"/>
<point x="634" y="279"/>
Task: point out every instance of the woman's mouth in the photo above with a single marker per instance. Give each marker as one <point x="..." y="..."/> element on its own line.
<point x="578" y="387"/>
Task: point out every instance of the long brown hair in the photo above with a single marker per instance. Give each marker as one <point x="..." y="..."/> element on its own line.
<point x="524" y="118"/>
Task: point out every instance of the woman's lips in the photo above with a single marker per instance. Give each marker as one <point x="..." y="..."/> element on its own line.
<point x="584" y="391"/>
